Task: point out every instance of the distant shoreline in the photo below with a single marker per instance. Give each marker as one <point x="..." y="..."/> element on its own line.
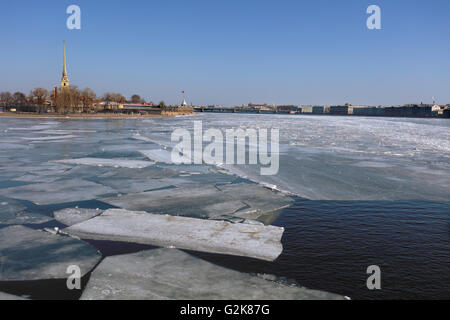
<point x="90" y="116"/>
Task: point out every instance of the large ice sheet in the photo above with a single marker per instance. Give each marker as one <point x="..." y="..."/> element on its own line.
<point x="198" y="201"/>
<point x="256" y="241"/>
<point x="27" y="254"/>
<point x="62" y="191"/>
<point x="117" y="163"/>
<point x="169" y="274"/>
<point x="345" y="158"/>
<point x="249" y="201"/>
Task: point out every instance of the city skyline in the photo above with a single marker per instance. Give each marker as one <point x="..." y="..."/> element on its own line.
<point x="310" y="53"/>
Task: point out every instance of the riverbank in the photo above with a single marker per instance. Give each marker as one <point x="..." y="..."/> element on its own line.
<point x="163" y="114"/>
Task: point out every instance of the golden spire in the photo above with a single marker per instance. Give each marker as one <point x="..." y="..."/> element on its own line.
<point x="65" y="78"/>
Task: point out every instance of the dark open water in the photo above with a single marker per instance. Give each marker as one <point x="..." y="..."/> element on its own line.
<point x="328" y="245"/>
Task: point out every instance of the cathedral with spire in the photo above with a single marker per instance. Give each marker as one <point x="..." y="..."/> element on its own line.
<point x="65" y="78"/>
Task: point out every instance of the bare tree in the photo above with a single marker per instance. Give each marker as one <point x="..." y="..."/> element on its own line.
<point x="88" y="98"/>
<point x="68" y="100"/>
<point x="135" y="98"/>
<point x="39" y="97"/>
<point x="107" y="98"/>
<point x="6" y="98"/>
<point x="162" y="104"/>
<point x="19" y="99"/>
<point x="118" y="99"/>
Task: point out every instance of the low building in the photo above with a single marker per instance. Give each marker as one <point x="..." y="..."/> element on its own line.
<point x="341" y="110"/>
<point x="321" y="109"/>
<point x="260" y="107"/>
<point x="287" y="109"/>
<point x="307" y="109"/>
<point x="446" y="113"/>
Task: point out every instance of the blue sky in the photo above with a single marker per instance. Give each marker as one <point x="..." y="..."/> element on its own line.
<point x="233" y="52"/>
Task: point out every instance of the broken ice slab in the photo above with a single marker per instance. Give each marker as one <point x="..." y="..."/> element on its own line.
<point x="117" y="163"/>
<point x="85" y="172"/>
<point x="71" y="216"/>
<point x="10" y="207"/>
<point x="50" y="138"/>
<point x="256" y="241"/>
<point x="134" y="185"/>
<point x="27" y="255"/>
<point x="259" y="199"/>
<point x="248" y="201"/>
<point x="196" y="201"/>
<point x="61" y="191"/>
<point x="39" y="127"/>
<point x="146" y="173"/>
<point x="200" y="179"/>
<point x="162" y="155"/>
<point x="35" y="178"/>
<point x="170" y="274"/>
<point x="158" y="155"/>
<point x="23" y="217"/>
<point x="6" y="296"/>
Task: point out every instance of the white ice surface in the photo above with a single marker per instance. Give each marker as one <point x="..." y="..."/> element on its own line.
<point x="169" y="274"/>
<point x="256" y="241"/>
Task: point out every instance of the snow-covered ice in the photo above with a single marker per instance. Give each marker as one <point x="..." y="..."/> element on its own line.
<point x="256" y="241"/>
<point x="166" y="274"/>
<point x="28" y="254"/>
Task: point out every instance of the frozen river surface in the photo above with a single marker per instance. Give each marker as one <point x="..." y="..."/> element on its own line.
<point x="321" y="158"/>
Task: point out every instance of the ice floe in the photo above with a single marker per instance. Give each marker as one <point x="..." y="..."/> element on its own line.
<point x="248" y="201"/>
<point x="6" y="296"/>
<point x="9" y="208"/>
<point x="69" y="190"/>
<point x="28" y="254"/>
<point x="164" y="274"/>
<point x="71" y="216"/>
<point x="158" y="155"/>
<point x="134" y="185"/>
<point x="24" y="217"/>
<point x="256" y="241"/>
<point x="117" y="163"/>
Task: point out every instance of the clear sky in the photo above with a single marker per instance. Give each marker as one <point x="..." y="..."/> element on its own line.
<point x="231" y="52"/>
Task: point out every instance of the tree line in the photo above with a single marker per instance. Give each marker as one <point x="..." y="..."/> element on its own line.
<point x="71" y="99"/>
